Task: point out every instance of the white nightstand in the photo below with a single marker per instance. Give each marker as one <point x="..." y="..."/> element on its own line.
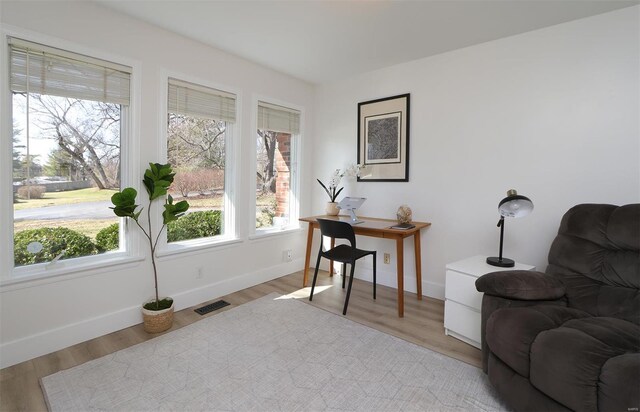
<point x="463" y="302"/>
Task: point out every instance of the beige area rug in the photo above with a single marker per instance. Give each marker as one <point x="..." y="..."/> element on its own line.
<point x="272" y="354"/>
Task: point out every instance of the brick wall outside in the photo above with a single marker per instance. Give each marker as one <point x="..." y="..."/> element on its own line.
<point x="283" y="169"/>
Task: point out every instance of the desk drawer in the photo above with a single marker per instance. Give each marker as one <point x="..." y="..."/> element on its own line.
<point x="462" y="289"/>
<point x="462" y="320"/>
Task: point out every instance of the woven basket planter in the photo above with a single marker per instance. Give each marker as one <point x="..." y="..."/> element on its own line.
<point x="156" y="321"/>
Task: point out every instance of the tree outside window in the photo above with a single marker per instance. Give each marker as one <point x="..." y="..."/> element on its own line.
<point x="276" y="163"/>
<point x="199" y="132"/>
<point x="196" y="150"/>
<point x="63" y="185"/>
<point x="67" y="141"/>
<point x="273" y="184"/>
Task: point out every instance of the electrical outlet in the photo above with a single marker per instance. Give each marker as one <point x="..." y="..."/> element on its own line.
<point x="287" y="255"/>
<point x="199" y="273"/>
<point x="387" y="258"/>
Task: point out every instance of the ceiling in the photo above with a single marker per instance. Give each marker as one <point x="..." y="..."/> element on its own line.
<point x="321" y="41"/>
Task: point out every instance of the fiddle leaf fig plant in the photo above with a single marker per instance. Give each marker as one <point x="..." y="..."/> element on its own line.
<point x="157" y="180"/>
<point x="125" y="203"/>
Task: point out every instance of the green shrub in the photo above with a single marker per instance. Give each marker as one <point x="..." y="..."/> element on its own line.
<point x="31" y="192"/>
<point x="54" y="240"/>
<point x="194" y="225"/>
<point x="108" y="238"/>
<point x="265" y="217"/>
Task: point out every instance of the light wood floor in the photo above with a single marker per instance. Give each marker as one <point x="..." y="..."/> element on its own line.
<point x="422" y="325"/>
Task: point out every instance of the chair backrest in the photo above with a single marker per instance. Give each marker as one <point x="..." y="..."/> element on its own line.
<point x="596" y="254"/>
<point x="338" y="230"/>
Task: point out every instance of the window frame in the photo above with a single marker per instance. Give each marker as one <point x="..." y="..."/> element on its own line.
<point x="294" y="184"/>
<point x="129" y="251"/>
<point x="231" y="174"/>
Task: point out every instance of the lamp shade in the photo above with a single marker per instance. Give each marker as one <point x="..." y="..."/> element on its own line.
<point x="515" y="205"/>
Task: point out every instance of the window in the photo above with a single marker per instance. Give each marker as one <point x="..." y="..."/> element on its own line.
<point x="276" y="166"/>
<point x="200" y="123"/>
<point x="69" y="114"/>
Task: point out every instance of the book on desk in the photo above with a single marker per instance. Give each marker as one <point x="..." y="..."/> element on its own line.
<point x="403" y="226"/>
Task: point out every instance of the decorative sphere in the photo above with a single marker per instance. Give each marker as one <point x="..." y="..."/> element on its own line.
<point x="404" y="214"/>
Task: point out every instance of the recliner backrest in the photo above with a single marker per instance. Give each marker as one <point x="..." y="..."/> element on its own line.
<point x="596" y="254"/>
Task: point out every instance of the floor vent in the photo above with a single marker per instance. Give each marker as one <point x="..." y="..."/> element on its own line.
<point x="211" y="307"/>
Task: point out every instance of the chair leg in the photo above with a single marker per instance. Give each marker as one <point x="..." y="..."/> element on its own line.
<point x="315" y="277"/>
<point x="346" y="301"/>
<point x="374" y="275"/>
<point x="344" y="273"/>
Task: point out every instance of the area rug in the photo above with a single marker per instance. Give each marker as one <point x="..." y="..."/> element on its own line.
<point x="272" y="354"/>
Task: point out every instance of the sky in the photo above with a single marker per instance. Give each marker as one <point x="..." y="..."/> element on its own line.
<point x="38" y="146"/>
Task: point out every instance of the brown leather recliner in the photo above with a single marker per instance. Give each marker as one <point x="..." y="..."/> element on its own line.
<point x="569" y="339"/>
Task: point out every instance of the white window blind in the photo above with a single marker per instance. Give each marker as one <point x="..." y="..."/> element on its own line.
<point x="36" y="68"/>
<point x="198" y="101"/>
<point x="278" y="118"/>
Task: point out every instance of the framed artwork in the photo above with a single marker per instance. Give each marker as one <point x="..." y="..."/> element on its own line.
<point x="383" y="139"/>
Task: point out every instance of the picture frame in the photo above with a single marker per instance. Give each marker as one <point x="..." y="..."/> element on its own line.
<point x="383" y="139"/>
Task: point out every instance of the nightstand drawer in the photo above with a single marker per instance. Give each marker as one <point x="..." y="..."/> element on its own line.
<point x="462" y="289"/>
<point x="462" y="320"/>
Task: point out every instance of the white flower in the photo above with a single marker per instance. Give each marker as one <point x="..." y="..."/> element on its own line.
<point x="353" y="170"/>
<point x="336" y="177"/>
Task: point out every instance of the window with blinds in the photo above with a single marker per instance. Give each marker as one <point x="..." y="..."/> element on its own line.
<point x="67" y="144"/>
<point x="36" y="68"/>
<point x="278" y="118"/>
<point x="276" y="166"/>
<point x="198" y="101"/>
<point x="200" y="124"/>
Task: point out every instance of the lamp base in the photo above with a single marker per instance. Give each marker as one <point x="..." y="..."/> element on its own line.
<point x="503" y="263"/>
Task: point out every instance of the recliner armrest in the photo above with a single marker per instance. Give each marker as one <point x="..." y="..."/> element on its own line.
<point x="521" y="285"/>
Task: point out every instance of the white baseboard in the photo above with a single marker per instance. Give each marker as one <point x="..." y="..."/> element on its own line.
<point x="42" y="343"/>
<point x="430" y="289"/>
<point x="215" y="290"/>
<point x="52" y="340"/>
<point x="388" y="278"/>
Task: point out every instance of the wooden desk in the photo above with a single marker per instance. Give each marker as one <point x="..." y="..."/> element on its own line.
<point x="375" y="227"/>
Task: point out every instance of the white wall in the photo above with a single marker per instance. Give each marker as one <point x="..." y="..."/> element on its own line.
<point x="552" y="113"/>
<point x="40" y="317"/>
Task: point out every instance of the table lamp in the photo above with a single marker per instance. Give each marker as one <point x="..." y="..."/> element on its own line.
<point x="514" y="205"/>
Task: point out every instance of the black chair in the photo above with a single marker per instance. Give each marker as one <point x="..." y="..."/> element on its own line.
<point x="342" y="253"/>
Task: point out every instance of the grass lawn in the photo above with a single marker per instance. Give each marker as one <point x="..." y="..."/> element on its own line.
<point x="266" y="200"/>
<point x="92" y="226"/>
<point x="66" y="198"/>
<point x="97" y="195"/>
<point x="86" y="227"/>
<point x="216" y="202"/>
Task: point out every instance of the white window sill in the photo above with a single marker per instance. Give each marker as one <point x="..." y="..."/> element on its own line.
<point x="41" y="274"/>
<point x="266" y="233"/>
<point x="196" y="246"/>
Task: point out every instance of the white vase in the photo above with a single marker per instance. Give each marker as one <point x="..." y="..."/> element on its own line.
<point x="332" y="209"/>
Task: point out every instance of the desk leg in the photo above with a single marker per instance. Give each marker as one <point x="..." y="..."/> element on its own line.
<point x="400" y="270"/>
<point x="307" y="257"/>
<point x="416" y="242"/>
